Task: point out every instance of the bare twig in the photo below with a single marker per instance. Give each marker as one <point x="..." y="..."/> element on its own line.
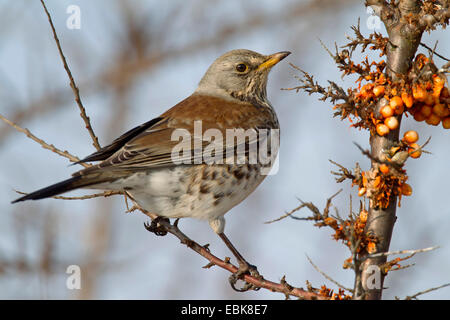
<point x="385" y="254"/>
<point x="311" y="207"/>
<point x="74" y="87"/>
<point x="434" y="51"/>
<point x="327" y="276"/>
<point x="414" y="296"/>
<point x="44" y="144"/>
<point x="287" y="214"/>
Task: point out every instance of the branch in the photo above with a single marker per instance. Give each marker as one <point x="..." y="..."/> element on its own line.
<point x="74" y="87"/>
<point x="385" y="254"/>
<point x="281" y="287"/>
<point x="327" y="276"/>
<point x="433" y="51"/>
<point x="317" y="214"/>
<point x="426" y="291"/>
<point x="44" y="144"/>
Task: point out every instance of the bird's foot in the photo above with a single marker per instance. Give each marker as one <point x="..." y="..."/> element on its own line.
<point x="244" y="268"/>
<point x="156" y="227"/>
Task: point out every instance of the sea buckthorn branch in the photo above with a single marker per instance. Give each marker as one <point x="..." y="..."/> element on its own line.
<point x="345" y="173"/>
<point x="402" y="21"/>
<point x="376" y="41"/>
<point x="349" y="231"/>
<point x="405" y="83"/>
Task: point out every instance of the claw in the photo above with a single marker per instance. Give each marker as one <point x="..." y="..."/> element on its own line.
<point x="244" y="268"/>
<point x="155" y="227"/>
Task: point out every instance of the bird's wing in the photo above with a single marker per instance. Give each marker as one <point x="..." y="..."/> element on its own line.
<point x="107" y="151"/>
<point x="172" y="139"/>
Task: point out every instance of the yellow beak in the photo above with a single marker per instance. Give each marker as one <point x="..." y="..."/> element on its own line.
<point x="273" y="59"/>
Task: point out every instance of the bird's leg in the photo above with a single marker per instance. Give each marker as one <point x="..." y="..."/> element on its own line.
<point x="155" y="226"/>
<point x="244" y="267"/>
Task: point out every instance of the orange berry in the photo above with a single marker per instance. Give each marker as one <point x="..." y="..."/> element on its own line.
<point x="433" y="120"/>
<point x="406" y="189"/>
<point x="407" y="99"/>
<point x="411" y="136"/>
<point x="416" y="148"/>
<point x="382" y="129"/>
<point x="381" y="79"/>
<point x="395" y="102"/>
<point x="363" y="216"/>
<point x="391" y="122"/>
<point x="387" y="112"/>
<point x="361" y="191"/>
<point x="441" y="110"/>
<point x="418" y="116"/>
<point x="384" y="168"/>
<point x="371" y="247"/>
<point x="378" y="91"/>
<point x="419" y="93"/>
<point x="446" y="123"/>
<point x="399" y="110"/>
<point x="445" y="93"/>
<point x="438" y="83"/>
<point x="429" y="100"/>
<point x="426" y="110"/>
<point x="367" y="88"/>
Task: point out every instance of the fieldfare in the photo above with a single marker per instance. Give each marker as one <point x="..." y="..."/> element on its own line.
<point x="178" y="179"/>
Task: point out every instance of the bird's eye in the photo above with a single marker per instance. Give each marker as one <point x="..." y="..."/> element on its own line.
<point x="241" y="67"/>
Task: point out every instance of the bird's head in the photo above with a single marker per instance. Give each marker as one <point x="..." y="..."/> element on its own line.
<point x="240" y="74"/>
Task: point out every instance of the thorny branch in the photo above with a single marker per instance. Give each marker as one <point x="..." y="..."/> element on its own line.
<point x="376" y="41"/>
<point x="374" y="107"/>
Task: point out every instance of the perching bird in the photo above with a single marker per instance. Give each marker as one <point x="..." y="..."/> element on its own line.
<point x="231" y="95"/>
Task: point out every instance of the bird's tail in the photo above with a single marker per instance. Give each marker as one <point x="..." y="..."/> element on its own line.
<point x="75" y="182"/>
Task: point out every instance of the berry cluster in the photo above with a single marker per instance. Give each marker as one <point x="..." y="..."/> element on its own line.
<point x="422" y="94"/>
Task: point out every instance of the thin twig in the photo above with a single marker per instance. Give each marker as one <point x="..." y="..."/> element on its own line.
<point x="385" y="254"/>
<point x="433" y="51"/>
<point x="327" y="276"/>
<point x="44" y="144"/>
<point x="426" y="291"/>
<point x="74" y="87"/>
<point x="287" y="214"/>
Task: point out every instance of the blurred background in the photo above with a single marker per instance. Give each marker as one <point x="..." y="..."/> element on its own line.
<point x="134" y="59"/>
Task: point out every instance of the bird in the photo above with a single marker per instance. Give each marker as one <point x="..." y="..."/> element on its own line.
<point x="232" y="95"/>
